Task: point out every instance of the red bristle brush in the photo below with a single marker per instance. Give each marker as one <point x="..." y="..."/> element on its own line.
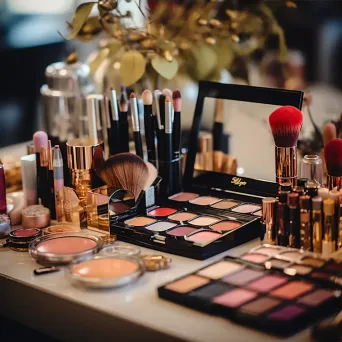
<point x="285" y="123"/>
<point x="333" y="161"/>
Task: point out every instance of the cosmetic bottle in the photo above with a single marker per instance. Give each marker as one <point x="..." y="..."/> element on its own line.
<point x="312" y="169"/>
<point x="3" y="205"/>
<point x="328" y="245"/>
<point x="268" y="220"/>
<point x="317" y="230"/>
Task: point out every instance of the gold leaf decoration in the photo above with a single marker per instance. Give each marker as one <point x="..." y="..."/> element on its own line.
<point x="205" y="60"/>
<point x="132" y="67"/>
<point x="164" y="68"/>
<point x="97" y="61"/>
<point x="224" y="53"/>
<point x="114" y="48"/>
<point x="81" y="15"/>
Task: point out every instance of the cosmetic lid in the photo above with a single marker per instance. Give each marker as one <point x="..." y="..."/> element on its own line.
<point x="205" y="142"/>
<point x="323" y="192"/>
<point x="80" y="153"/>
<point x="304" y="202"/>
<point x="328" y="207"/>
<point x="286" y="186"/>
<point x="335" y="195"/>
<point x="268" y="210"/>
<point x="292" y="199"/>
<point x="317" y="203"/>
<point x="118" y="249"/>
<point x="312" y="168"/>
<point x="282" y="195"/>
<point x="35" y="216"/>
<point x="299" y="190"/>
<point x="311" y="189"/>
<point x="302" y="181"/>
<point x="24" y="234"/>
<point x="124" y="271"/>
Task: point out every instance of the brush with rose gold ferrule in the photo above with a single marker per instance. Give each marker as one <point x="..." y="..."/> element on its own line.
<point x="333" y="161"/>
<point x="285" y="123"/>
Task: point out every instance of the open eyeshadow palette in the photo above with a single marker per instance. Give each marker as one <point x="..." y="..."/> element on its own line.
<point x="269" y="300"/>
<point x="191" y="225"/>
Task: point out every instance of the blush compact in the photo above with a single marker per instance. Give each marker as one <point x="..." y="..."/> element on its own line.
<point x="20" y="239"/>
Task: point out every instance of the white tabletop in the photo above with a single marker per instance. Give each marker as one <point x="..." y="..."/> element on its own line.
<point x="137" y="304"/>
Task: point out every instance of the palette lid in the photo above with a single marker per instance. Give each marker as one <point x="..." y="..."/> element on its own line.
<point x="214" y="180"/>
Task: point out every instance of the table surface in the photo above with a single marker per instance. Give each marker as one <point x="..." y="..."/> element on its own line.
<point x="139" y="303"/>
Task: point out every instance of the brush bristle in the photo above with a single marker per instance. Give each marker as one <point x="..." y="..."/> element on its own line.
<point x="132" y="96"/>
<point x="333" y="157"/>
<point x="40" y="139"/>
<point x="147" y="97"/>
<point x="152" y="174"/>
<point x="125" y="171"/>
<point x="98" y="160"/>
<point x="167" y="92"/>
<point x="177" y="101"/>
<point x="285" y="123"/>
<point x="329" y="133"/>
<point x="123" y="104"/>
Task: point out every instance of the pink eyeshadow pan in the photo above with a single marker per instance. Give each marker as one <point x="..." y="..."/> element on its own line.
<point x="225" y="204"/>
<point x="316" y="298"/>
<point x="66" y="245"/>
<point x="205" y="200"/>
<point x="204" y="237"/>
<point x="182" y="216"/>
<point x="246" y="208"/>
<point x="258" y="213"/>
<point x="181" y="231"/>
<point x="267" y="283"/>
<point x="235" y="297"/>
<point x="225" y="225"/>
<point x="183" y="196"/>
<point x="255" y="257"/>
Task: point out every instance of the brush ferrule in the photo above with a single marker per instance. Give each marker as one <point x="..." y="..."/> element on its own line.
<point x="114" y="104"/>
<point x="135" y="115"/>
<point x="286" y="165"/>
<point x="334" y="182"/>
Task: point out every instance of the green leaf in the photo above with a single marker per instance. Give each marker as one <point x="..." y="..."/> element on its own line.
<point x="132" y="67"/>
<point x="164" y="68"/>
<point x="97" y="61"/>
<point x="81" y="15"/>
<point x="205" y="60"/>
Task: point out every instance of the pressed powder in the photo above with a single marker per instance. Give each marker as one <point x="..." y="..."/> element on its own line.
<point x="204" y="200"/>
<point x="161" y="226"/>
<point x="225" y="204"/>
<point x="204" y="237"/>
<point x="183" y="196"/>
<point x="246" y="208"/>
<point x="181" y="231"/>
<point x="203" y="221"/>
<point x="255" y="257"/>
<point x="220" y="269"/>
<point x="140" y="221"/>
<point x="225" y="225"/>
<point x="183" y="216"/>
<point x="187" y="284"/>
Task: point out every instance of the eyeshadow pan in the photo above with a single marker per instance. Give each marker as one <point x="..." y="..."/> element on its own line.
<point x="204" y="200"/>
<point x="187" y="284"/>
<point x="225" y="225"/>
<point x="211" y="290"/>
<point x="182" y="216"/>
<point x="298" y="269"/>
<point x="246" y="208"/>
<point x="183" y="196"/>
<point x="255" y="257"/>
<point x="313" y="262"/>
<point x="333" y="266"/>
<point x="204" y="236"/>
<point x="268" y="250"/>
<point x="258" y="213"/>
<point x="276" y="263"/>
<point x="292" y="255"/>
<point x="292" y="290"/>
<point x="260" y="306"/>
<point x="181" y="231"/>
<point x="316" y="298"/>
<point x="161" y="226"/>
<point x="204" y="221"/>
<point x="162" y="212"/>
<point x="287" y="313"/>
<point x="267" y="283"/>
<point x="140" y="221"/>
<point x="235" y="297"/>
<point x="320" y="275"/>
<point x="243" y="277"/>
<point x="220" y="269"/>
<point x="225" y="204"/>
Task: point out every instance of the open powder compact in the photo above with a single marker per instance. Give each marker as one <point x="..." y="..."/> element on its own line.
<point x="64" y="248"/>
<point x="105" y="272"/>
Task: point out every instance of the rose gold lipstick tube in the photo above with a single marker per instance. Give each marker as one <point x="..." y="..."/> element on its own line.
<point x="334" y="182"/>
<point x="268" y="220"/>
<point x="286" y="165"/>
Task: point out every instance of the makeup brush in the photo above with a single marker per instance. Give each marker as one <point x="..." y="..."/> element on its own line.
<point x="333" y="161"/>
<point x="176" y="130"/>
<point x="51" y="198"/>
<point x="285" y="123"/>
<point x="329" y="133"/>
<point x="159" y="126"/>
<point x="97" y="166"/>
<point x="136" y="125"/>
<point x="107" y="122"/>
<point x="152" y="174"/>
<point x="115" y="129"/>
<point x="168" y="130"/>
<point x="92" y="106"/>
<point x="147" y="99"/>
<point x="124" y="136"/>
<point x="58" y="180"/>
<point x="167" y="92"/>
<point x="218" y="125"/>
<point x="125" y="171"/>
<point x="156" y="95"/>
<point x="43" y="178"/>
<point x="40" y="139"/>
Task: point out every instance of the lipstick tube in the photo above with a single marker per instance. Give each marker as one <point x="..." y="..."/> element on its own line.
<point x="334" y="182"/>
<point x="305" y="228"/>
<point x="281" y="219"/>
<point x="328" y="245"/>
<point x="317" y="229"/>
<point x="293" y="225"/>
<point x="286" y="165"/>
<point x="268" y="220"/>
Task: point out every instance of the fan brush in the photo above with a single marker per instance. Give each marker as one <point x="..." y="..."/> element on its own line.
<point x="333" y="161"/>
<point x="285" y="123"/>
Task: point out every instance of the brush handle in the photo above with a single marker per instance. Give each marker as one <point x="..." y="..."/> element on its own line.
<point x="44" y="186"/>
<point x="168" y="147"/>
<point x="115" y="147"/>
<point x="217" y="135"/>
<point x="138" y="145"/>
<point x="38" y="172"/>
<point x="51" y="195"/>
<point x="124" y="132"/>
<point x="149" y="133"/>
<point x="176" y="135"/>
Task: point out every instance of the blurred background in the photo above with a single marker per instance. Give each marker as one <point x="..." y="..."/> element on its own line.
<point x="31" y="38"/>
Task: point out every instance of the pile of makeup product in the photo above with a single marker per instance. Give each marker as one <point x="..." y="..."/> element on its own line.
<point x="278" y="290"/>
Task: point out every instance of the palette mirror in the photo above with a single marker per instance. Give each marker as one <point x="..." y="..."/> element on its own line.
<point x="230" y="130"/>
<point x="121" y="202"/>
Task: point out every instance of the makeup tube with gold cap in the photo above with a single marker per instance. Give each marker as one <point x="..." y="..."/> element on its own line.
<point x="268" y="220"/>
<point x="281" y="219"/>
<point x="305" y="228"/>
<point x="293" y="224"/>
<point x="328" y="244"/>
<point x="317" y="229"/>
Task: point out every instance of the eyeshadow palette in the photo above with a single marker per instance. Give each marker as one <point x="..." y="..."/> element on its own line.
<point x="252" y="295"/>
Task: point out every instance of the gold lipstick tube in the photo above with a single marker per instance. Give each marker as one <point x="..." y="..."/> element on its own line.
<point x="286" y="165"/>
<point x="305" y="228"/>
<point x="334" y="182"/>
<point x="293" y="224"/>
<point x="268" y="220"/>
<point x="317" y="229"/>
<point x="328" y="245"/>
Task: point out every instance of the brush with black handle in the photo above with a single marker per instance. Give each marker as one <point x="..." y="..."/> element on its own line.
<point x="136" y="125"/>
<point x="115" y="124"/>
<point x="149" y="126"/>
<point x="123" y="115"/>
<point x="176" y="128"/>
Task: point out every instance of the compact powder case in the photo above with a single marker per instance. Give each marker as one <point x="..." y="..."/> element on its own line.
<point x="20" y="239"/>
<point x="35" y="216"/>
<point x="62" y="228"/>
<point x="105" y="272"/>
<point x="64" y="248"/>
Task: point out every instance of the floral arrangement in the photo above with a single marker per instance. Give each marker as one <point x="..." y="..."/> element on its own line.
<point x="202" y="37"/>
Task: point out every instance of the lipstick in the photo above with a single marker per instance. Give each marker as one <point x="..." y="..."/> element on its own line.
<point x="293" y="224"/>
<point x="328" y="245"/>
<point x="317" y="229"/>
<point x="281" y="219"/>
<point x="305" y="228"/>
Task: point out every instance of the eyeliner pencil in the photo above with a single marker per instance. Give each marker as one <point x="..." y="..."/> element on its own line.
<point x="218" y="125"/>
<point x="136" y="126"/>
<point x="124" y="136"/>
<point x="176" y="129"/>
<point x="115" y="125"/>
